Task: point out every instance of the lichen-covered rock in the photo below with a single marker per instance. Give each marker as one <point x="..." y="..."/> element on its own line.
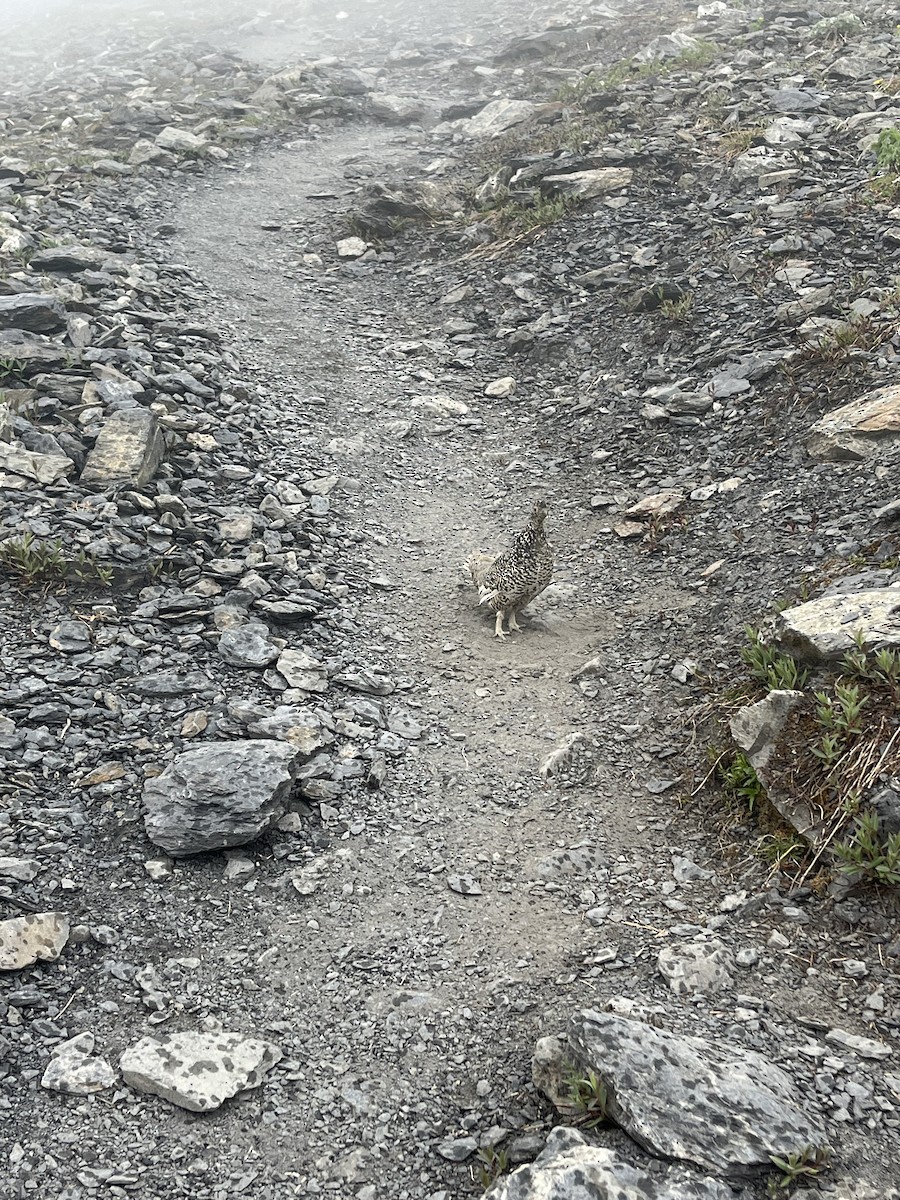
<point x="248" y="646"/>
<point x="724" y="1108"/>
<point x="572" y="1168"/>
<point x="39" y="937"/>
<point x="218" y="795"/>
<point x="197" y="1071"/>
<point x="129" y="448"/>
<point x="852" y="431"/>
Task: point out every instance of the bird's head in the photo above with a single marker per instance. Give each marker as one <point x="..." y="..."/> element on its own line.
<point x="539" y="512"/>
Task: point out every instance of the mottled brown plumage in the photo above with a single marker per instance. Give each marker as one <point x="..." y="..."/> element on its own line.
<point x="508" y="581"/>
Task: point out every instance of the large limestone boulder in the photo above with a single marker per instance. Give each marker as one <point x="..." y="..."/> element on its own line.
<point x="719" y="1106"/>
<point x="220" y="794"/>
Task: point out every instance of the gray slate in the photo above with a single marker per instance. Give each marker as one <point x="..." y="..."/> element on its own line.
<point x="129" y="448"/>
<point x="572" y="1168"/>
<point x="66" y="260"/>
<point x="218" y="795"/>
<point x="31" y="311"/>
<point x="724" y="1108"/>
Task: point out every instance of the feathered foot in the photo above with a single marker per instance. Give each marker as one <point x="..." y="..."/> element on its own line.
<point x="512" y="622"/>
<point x="499" y="631"/>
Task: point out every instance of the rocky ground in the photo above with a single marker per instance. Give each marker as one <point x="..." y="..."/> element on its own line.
<point x="298" y="864"/>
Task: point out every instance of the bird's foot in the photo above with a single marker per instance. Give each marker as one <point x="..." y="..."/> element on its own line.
<point x="513" y="623"/>
<point x="499" y="631"/>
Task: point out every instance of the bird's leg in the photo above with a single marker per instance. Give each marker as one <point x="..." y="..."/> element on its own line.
<point x="498" y="624"/>
<point x="513" y="623"/>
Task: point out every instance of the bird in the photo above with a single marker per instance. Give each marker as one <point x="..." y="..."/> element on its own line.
<point x="508" y="581"/>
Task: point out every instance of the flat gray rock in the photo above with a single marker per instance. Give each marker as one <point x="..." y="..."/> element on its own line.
<point x="32" y="311"/>
<point x="572" y="1168"/>
<point x="43" y="468"/>
<point x="495" y="118"/>
<point x="825" y="629"/>
<point x="66" y="260"/>
<point x="248" y="646"/>
<point x="218" y="795"/>
<point x="726" y="1109"/>
<point x="197" y="1071"/>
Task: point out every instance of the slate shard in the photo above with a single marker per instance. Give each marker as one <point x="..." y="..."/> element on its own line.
<point x="219" y="795"/>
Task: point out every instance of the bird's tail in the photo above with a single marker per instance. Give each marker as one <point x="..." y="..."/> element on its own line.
<point x="477" y="566"/>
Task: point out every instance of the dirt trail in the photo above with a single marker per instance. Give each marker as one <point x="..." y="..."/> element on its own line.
<point x="471" y="800"/>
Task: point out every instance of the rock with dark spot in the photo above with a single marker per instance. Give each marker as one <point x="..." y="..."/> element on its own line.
<point x="39" y="937"/>
<point x="572" y="1168"/>
<point x="197" y="1071"/>
<point x="719" y="1106"/>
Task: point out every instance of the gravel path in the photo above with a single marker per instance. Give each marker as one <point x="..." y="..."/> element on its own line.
<point x="405" y="943"/>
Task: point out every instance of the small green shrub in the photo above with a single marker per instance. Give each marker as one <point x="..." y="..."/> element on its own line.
<point x="776" y="670"/>
<point x="741" y="781"/>
<point x="12" y="370"/>
<point x="869" y="857"/>
<point x="887" y="150"/>
<point x="590" y="1098"/>
<point x="807" y="1163"/>
<point x="492" y="1163"/>
<point x="678" y="310"/>
<point x="43" y="561"/>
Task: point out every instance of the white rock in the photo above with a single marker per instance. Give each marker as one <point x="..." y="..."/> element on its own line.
<point x="351" y="247"/>
<point x="440" y="406"/>
<point x="588" y="184"/>
<point x="495" y="118"/>
<point x="75" y="1070"/>
<point x="180" y="141"/>
<point x="195" y="1070"/>
<point x="39" y="937"/>
<point x="501" y="388"/>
